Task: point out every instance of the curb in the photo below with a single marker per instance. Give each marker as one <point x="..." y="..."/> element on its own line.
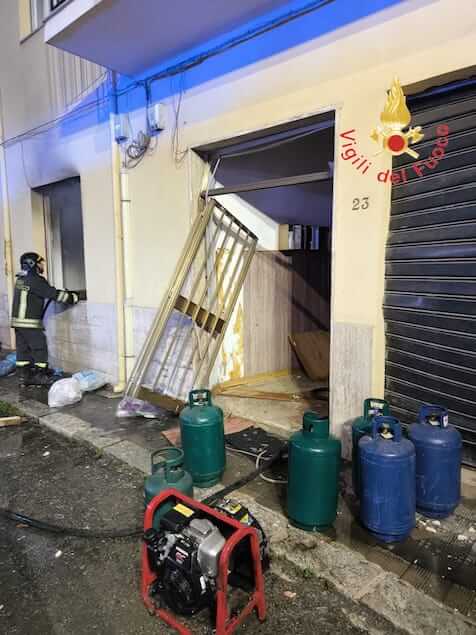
<point x="396" y="601"/>
<point x="364" y="582"/>
<point x="77" y="429"/>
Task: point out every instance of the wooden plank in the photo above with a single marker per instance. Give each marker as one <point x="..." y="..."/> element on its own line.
<point x="313" y="351"/>
<point x="11" y="421"/>
<point x="249" y="393"/>
<point x="204" y="319"/>
<point x="251" y="379"/>
<point x="163" y="401"/>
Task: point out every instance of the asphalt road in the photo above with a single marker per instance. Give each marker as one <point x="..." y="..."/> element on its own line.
<point x="58" y="585"/>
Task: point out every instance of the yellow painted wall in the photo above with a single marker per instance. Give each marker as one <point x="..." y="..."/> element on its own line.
<point x="349" y="71"/>
<point x="31" y="90"/>
<point x="27" y="89"/>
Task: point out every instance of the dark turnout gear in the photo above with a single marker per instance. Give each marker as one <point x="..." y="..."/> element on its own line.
<point x="31" y="297"/>
<point x="31" y="291"/>
<point x="32" y="357"/>
<point x="31" y="347"/>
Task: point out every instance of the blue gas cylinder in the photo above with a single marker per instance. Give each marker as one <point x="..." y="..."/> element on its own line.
<point x="438" y="462"/>
<point x="387" y="481"/>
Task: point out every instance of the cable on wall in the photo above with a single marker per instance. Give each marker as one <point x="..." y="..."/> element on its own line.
<point x="173" y="70"/>
<point x="277" y="22"/>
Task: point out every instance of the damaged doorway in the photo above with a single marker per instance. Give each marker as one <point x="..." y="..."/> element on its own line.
<point x="58" y="233"/>
<point x="274" y="361"/>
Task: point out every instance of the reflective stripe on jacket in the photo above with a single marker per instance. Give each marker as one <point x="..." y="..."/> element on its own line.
<point x="31" y="291"/>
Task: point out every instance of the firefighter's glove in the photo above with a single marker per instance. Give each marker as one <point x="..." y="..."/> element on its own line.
<point x="67" y="297"/>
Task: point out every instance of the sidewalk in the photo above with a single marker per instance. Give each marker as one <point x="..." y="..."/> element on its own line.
<point x="411" y="585"/>
<point x="93" y="421"/>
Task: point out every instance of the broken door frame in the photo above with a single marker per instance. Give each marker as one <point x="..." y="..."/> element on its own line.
<point x="211" y="320"/>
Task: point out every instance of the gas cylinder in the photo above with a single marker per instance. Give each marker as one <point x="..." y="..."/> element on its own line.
<point x="203" y="439"/>
<point x="387" y="481"/>
<point x="313" y="474"/>
<point x="360" y="427"/>
<point x="166" y="473"/>
<point x="438" y="462"/>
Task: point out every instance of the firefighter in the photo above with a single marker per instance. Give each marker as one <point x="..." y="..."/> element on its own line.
<point x="31" y="291"/>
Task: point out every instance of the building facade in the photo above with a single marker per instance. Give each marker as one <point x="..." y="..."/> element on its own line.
<point x="61" y="116"/>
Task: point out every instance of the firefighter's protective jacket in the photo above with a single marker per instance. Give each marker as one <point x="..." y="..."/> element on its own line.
<point x="31" y="291"/>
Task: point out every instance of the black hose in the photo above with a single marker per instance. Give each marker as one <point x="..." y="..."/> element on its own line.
<point x="70" y="531"/>
<point x="244" y="479"/>
<point x="131" y="532"/>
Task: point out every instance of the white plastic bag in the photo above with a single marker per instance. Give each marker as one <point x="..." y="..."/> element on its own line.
<point x="64" y="392"/>
<point x="90" y="379"/>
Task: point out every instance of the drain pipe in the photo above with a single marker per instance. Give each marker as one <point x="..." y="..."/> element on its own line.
<point x="118" y="250"/>
<point x="127" y="259"/>
<point x="7" y="225"/>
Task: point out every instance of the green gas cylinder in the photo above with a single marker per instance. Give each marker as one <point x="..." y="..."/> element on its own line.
<point x="166" y="473"/>
<point x="313" y="474"/>
<point x="203" y="439"/>
<point x="361" y="427"/>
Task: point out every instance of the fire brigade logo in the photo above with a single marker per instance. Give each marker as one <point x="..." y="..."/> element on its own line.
<point x="394" y="119"/>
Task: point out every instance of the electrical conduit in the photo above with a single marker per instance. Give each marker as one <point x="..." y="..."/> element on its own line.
<point x="119" y="263"/>
<point x="122" y="245"/>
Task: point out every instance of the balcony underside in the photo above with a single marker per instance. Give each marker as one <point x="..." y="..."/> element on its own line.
<point x="132" y="37"/>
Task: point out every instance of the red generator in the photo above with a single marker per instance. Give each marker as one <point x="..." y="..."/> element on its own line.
<point x="196" y="555"/>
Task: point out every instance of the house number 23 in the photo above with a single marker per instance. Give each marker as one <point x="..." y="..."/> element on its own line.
<point x="360" y="204"/>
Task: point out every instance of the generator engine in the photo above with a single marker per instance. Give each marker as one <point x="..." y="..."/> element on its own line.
<point x="185" y="550"/>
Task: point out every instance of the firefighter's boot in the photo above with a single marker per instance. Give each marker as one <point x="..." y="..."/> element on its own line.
<point x="43" y="377"/>
<point x="24" y="374"/>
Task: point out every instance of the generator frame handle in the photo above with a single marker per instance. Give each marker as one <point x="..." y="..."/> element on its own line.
<point x="225" y="625"/>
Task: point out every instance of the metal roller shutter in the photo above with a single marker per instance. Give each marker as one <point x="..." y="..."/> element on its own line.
<point x="430" y="296"/>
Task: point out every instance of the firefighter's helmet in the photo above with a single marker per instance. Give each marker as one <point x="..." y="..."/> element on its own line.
<point x="29" y="261"/>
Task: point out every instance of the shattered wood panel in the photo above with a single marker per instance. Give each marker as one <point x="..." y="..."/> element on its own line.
<point x="284" y="293"/>
<point x="267" y="314"/>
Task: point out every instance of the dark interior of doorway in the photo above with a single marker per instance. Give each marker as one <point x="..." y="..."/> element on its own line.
<point x="284" y="176"/>
<point x="63" y="234"/>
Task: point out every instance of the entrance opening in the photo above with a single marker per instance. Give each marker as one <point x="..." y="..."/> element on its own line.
<point x="274" y="361"/>
<point x="58" y="232"/>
